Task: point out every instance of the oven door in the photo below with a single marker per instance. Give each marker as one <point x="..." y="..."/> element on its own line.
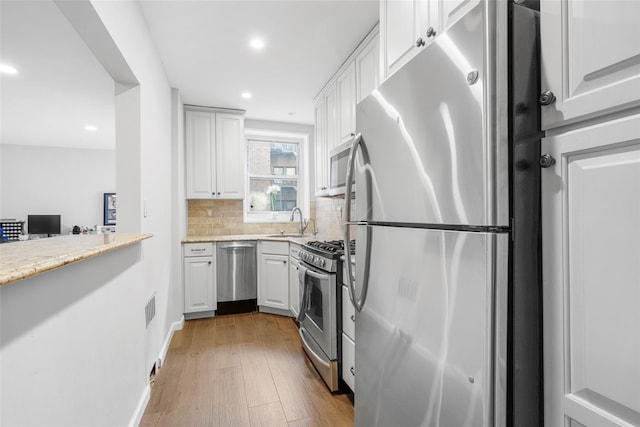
<point x="319" y="308"/>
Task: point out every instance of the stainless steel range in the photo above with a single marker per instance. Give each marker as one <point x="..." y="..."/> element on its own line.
<point x="320" y="306"/>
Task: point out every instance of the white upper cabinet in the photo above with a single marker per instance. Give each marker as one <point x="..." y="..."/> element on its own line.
<point x="215" y="155"/>
<point x="320" y="149"/>
<point x="332" y="116"/>
<point x="590" y="58"/>
<point x="335" y="105"/>
<point x="590" y="235"/>
<point x="346" y="85"/>
<point x="230" y="156"/>
<point x="406" y="26"/>
<point x="367" y="69"/>
<point x="451" y="10"/>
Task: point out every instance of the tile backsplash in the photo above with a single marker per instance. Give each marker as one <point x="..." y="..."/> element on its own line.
<point x="225" y="217"/>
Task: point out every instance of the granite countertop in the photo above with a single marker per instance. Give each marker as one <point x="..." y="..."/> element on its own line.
<point x="239" y="237"/>
<point x="20" y="260"/>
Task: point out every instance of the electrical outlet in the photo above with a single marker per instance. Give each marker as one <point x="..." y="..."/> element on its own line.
<point x="209" y="212"/>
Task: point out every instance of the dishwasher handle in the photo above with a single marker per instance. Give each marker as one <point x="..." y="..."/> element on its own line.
<point x="236" y="245"/>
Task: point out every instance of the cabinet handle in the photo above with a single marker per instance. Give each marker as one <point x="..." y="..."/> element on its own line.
<point x="547" y="98"/>
<point x="209" y="262"/>
<point x="420" y="42"/>
<point x="547" y="160"/>
<point x="284" y="262"/>
<point x="431" y="32"/>
<point x="353" y="318"/>
<point x="218" y="193"/>
<point x="353" y="371"/>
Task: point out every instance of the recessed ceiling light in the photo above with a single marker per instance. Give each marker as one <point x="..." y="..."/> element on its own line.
<point x="257" y="44"/>
<point x="90" y="127"/>
<point x="291" y="113"/>
<point x="246" y="95"/>
<point x="7" y="69"/>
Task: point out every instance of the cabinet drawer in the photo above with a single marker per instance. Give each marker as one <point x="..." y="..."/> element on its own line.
<point x="198" y="249"/>
<point x="348" y="315"/>
<point x="294" y="250"/>
<point x="349" y="362"/>
<point x="278" y="248"/>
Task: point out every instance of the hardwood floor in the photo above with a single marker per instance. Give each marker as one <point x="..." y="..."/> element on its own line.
<point x="242" y="370"/>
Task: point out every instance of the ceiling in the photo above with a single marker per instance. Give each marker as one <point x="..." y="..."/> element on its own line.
<point x="204" y="46"/>
<point x="60" y="86"/>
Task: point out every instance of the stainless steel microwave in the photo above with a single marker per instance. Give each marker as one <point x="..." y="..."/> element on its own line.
<point x="338" y="159"/>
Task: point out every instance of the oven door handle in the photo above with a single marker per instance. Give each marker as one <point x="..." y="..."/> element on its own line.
<point x="302" y="283"/>
<point x="318" y="275"/>
<point x="358" y="302"/>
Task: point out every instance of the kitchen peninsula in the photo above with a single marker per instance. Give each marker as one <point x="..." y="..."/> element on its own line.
<point x="24" y="259"/>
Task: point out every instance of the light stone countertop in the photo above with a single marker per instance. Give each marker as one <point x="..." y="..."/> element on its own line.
<point x="20" y="260"/>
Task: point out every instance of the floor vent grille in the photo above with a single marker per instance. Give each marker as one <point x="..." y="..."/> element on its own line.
<point x="150" y="310"/>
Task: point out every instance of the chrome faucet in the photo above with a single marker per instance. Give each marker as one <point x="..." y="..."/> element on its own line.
<point x="293" y="211"/>
<point x="315" y="227"/>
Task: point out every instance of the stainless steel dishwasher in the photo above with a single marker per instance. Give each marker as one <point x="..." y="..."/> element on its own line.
<point x="237" y="284"/>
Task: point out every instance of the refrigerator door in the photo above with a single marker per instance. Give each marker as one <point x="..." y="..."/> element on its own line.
<point x="426" y="350"/>
<point x="424" y="133"/>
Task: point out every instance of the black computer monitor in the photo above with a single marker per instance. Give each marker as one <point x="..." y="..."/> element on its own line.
<point x="43" y="224"/>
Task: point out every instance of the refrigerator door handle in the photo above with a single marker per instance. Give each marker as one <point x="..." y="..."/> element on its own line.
<point x="358" y="303"/>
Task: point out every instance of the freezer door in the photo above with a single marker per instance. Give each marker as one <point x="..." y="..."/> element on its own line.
<point x="427" y="353"/>
<point x="424" y="131"/>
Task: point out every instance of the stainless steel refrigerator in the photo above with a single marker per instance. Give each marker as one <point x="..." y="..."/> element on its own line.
<point x="447" y="280"/>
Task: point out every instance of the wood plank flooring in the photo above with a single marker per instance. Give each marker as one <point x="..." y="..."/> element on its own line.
<point x="242" y="370"/>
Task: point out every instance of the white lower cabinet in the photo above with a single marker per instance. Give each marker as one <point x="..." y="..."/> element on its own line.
<point x="348" y="340"/>
<point x="349" y="362"/>
<point x="199" y="278"/>
<point x="273" y="284"/>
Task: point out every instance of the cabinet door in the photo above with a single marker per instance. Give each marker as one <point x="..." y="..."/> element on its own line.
<point x="591" y="253"/>
<point x="321" y="160"/>
<point x="402" y="24"/>
<point x="332" y="118"/>
<point x="349" y="362"/>
<point x="368" y="69"/>
<point x="452" y="10"/>
<point x="589" y="58"/>
<point x="346" y="85"/>
<point x="294" y="286"/>
<point x="274" y="283"/>
<point x="200" y="147"/>
<point x="198" y="284"/>
<point x="230" y="156"/>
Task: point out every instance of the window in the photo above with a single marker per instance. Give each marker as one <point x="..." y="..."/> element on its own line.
<point x="276" y="178"/>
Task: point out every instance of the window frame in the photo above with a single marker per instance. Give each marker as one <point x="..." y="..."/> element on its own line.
<point x="302" y="139"/>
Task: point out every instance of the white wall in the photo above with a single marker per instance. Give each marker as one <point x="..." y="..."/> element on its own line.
<point x="116" y="32"/>
<point x="71" y="342"/>
<point x="127" y="27"/>
<point x="48" y="180"/>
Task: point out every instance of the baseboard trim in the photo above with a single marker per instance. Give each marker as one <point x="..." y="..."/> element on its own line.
<point x="272" y="310"/>
<point x="142" y="405"/>
<point x="175" y="326"/>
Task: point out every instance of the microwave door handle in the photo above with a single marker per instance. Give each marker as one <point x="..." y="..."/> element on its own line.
<point x="358" y="302"/>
